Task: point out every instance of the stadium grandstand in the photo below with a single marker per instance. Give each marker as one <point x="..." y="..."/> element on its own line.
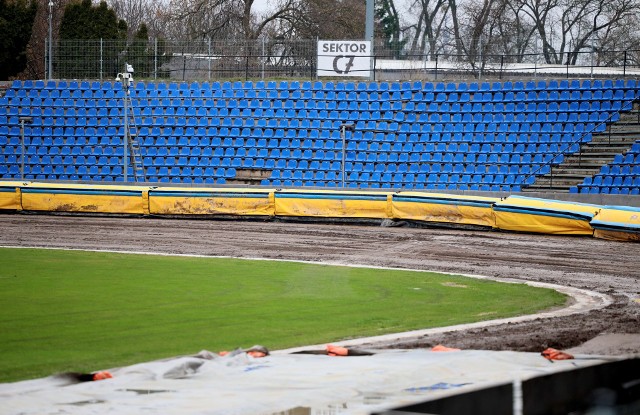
<point x="578" y="136"/>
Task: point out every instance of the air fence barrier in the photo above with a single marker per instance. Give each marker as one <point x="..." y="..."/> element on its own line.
<point x="512" y="213"/>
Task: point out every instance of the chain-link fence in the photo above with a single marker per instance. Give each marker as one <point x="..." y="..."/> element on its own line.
<point x="277" y="59"/>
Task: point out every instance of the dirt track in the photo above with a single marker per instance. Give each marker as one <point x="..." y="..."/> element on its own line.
<point x="608" y="267"/>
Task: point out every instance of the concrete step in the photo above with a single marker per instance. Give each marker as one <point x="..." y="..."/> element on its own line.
<point x="536" y="189"/>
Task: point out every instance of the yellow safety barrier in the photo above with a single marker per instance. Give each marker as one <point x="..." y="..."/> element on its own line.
<point x="82" y="198"/>
<point x="10" y="195"/>
<point x="433" y="207"/>
<point x="525" y="214"/>
<point x="332" y="204"/>
<point x="619" y="223"/>
<point x="514" y="213"/>
<point x="187" y="201"/>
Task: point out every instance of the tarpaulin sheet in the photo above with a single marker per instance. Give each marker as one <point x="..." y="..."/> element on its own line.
<point x="312" y="384"/>
<point x="525" y="214"/>
<point x="83" y="198"/>
<point x="10" y="195"/>
<point x="621" y="223"/>
<point x="328" y="204"/>
<point x="181" y="201"/>
<point x="468" y="210"/>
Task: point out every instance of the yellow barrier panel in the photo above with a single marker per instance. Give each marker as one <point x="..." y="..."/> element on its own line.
<point x="619" y="223"/>
<point x="181" y="201"/>
<point x="82" y="198"/>
<point x="523" y="214"/>
<point x="10" y="195"/>
<point x="515" y="213"/>
<point x="331" y="204"/>
<point x="426" y="207"/>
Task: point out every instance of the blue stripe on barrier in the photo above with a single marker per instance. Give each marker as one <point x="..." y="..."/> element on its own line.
<point x="85" y="192"/>
<point x="615" y="225"/>
<point x="625" y="208"/>
<point x="552" y="213"/>
<point x="331" y="196"/>
<point x="207" y="194"/>
<point x="444" y="201"/>
<point x="7" y="189"/>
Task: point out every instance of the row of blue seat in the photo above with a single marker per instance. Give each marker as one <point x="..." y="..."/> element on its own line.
<point x="613" y="181"/>
<point x="322" y="101"/>
<point x="290" y="129"/>
<point x="308" y="165"/>
<point x="338" y="86"/>
<point x="263" y="148"/>
<point x="220" y="98"/>
<point x="412" y="143"/>
<point x="606" y="190"/>
<point x="205" y="126"/>
<point x="210" y="108"/>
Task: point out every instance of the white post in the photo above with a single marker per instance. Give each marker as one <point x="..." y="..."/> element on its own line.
<point x="517" y="396"/>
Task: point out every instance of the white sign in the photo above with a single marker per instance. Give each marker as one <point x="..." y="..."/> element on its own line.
<point x="344" y="58"/>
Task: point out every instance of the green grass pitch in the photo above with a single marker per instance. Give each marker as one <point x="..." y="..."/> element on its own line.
<point x="85" y="311"/>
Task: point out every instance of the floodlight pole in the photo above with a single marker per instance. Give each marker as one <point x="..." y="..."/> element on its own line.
<point x="126" y="124"/>
<point x="343" y="129"/>
<point x="127" y="80"/>
<point x="22" y="121"/>
<point x="50" y="60"/>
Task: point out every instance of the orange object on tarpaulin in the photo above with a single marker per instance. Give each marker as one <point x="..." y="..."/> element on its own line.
<point x="102" y="375"/>
<point x="337" y="350"/>
<point x="441" y="348"/>
<point x="554" y="354"/>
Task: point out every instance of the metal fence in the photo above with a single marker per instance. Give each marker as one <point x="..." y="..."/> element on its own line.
<point x="275" y="59"/>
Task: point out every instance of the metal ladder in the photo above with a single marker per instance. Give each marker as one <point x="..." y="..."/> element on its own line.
<point x="135" y="159"/>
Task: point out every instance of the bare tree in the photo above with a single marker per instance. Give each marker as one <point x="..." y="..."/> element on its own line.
<point x="567" y="27"/>
<point x="432" y="15"/>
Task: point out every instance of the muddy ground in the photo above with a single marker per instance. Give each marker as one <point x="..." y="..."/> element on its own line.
<point x="584" y="262"/>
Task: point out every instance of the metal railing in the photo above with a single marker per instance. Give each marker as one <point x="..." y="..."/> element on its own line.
<point x="578" y="141"/>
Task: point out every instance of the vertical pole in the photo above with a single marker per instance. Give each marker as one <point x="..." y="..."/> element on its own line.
<point x="263" y="58"/>
<point x="517" y="397"/>
<point x="435" y="76"/>
<point x="624" y="65"/>
<point x="209" y="59"/>
<point x="480" y="53"/>
<point x="368" y="33"/>
<point x="155" y="58"/>
<point x="592" y="58"/>
<point x="21" y="149"/>
<point x="125" y="80"/>
<point x="344" y="149"/>
<point x="50" y="74"/>
<point x="101" y="59"/>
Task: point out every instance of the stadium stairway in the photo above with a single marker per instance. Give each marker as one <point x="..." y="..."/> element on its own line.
<point x="576" y="172"/>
